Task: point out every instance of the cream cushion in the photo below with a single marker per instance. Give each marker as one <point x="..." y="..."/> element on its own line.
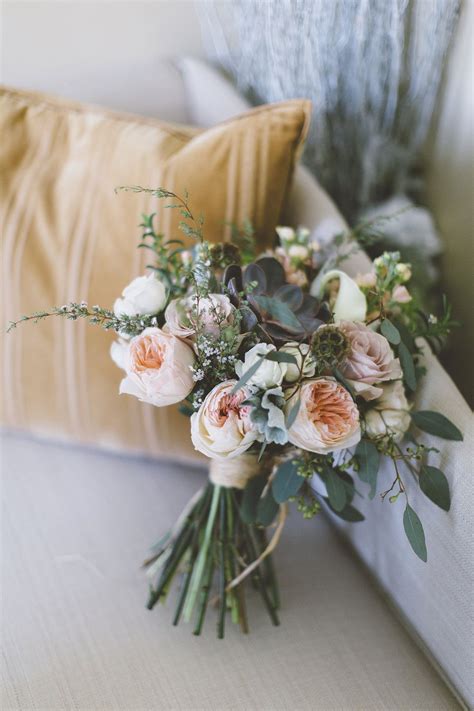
<point x="76" y="634"/>
<point x="66" y="237"/>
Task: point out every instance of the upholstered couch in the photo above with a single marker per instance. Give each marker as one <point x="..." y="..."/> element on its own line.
<point x="375" y="630"/>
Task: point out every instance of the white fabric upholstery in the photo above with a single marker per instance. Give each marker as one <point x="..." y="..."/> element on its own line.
<point x="436" y="598"/>
<point x="76" y="634"/>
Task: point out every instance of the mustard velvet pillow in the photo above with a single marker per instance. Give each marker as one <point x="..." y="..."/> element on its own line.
<point x="67" y="236"/>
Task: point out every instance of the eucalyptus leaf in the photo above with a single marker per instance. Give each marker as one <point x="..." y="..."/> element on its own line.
<point x="336" y="490"/>
<point x="434" y="485"/>
<point x="293" y="413"/>
<point x="415" y="533"/>
<point x="281" y="357"/>
<point x="436" y="424"/>
<point x="267" y="509"/>
<point x="391" y="332"/>
<point x="279" y="311"/>
<point x="250" y="498"/>
<point x="408" y="366"/>
<point x="287" y="482"/>
<point x="368" y="458"/>
<point x="247" y="375"/>
<point x="348" y="513"/>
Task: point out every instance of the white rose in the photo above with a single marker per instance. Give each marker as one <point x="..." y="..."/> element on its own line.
<point x="158" y="367"/>
<point x="298" y="251"/>
<point x="350" y="303"/>
<point x="211" y="313"/>
<point x="145" y="295"/>
<point x="268" y="374"/>
<point x="300" y="351"/>
<point x="286" y="234"/>
<point x="118" y="352"/>
<point x="390" y="413"/>
<point x="222" y="429"/>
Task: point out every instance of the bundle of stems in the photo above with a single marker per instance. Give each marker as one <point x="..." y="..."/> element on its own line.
<point x="208" y="548"/>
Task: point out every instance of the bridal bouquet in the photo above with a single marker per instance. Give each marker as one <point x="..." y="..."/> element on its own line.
<point x="289" y="371"/>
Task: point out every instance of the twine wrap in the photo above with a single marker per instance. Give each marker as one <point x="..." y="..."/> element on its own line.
<point x="234" y="473"/>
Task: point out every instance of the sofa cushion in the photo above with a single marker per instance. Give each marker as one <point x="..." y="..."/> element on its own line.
<point x="67" y="236"/>
<point x="76" y="634"/>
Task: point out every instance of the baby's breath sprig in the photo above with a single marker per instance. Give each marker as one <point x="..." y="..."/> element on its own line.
<point x="96" y="315"/>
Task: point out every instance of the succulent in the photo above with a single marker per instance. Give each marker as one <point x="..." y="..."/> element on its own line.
<point x="329" y="346"/>
<point x="222" y="254"/>
<point x="283" y="311"/>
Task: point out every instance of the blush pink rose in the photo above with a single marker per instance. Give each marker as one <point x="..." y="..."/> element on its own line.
<point x="370" y="361"/>
<point x="222" y="429"/>
<point x="328" y="418"/>
<point x="184" y="316"/>
<point x="401" y="294"/>
<point x="158" y="367"/>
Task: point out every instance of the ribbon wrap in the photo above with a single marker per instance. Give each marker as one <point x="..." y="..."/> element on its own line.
<point x="234" y="473"/>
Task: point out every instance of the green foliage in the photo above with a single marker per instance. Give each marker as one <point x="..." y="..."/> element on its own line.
<point x="434" y="485"/>
<point x="336" y="490"/>
<point x="368" y="459"/>
<point x="287" y="482"/>
<point x="436" y="424"/>
<point x="414" y="532"/>
<point x="348" y="513"/>
<point x="251" y="497"/>
<point x="267" y="509"/>
<point x="391" y="332"/>
<point x="408" y="366"/>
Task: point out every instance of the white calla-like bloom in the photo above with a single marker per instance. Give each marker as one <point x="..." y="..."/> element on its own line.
<point x="350" y="303"/>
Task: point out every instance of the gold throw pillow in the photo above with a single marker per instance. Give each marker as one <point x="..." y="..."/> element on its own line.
<point x="67" y="236"/>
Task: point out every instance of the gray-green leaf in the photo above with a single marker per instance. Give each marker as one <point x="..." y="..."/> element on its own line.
<point x="281" y="357"/>
<point x="391" y="332"/>
<point x="408" y="366"/>
<point x="247" y="375"/>
<point x="267" y="509"/>
<point x="251" y="497"/>
<point x="436" y="424"/>
<point x="368" y="458"/>
<point x="434" y="485"/>
<point x="336" y="490"/>
<point x="287" y="482"/>
<point x="415" y="533"/>
<point x="349" y="513"/>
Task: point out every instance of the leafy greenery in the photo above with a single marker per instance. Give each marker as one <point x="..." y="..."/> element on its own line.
<point x="434" y="484"/>
<point x="414" y="532"/>
<point x="436" y="424"/>
<point x="286" y="482"/>
<point x="368" y="459"/>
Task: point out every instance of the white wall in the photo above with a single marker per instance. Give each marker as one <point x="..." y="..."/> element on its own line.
<point x="114" y="53"/>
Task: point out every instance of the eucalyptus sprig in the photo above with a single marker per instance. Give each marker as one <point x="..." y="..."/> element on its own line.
<point x="96" y="315"/>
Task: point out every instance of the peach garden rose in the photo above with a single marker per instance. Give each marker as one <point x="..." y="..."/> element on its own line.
<point x="328" y="418"/>
<point x="222" y="429"/>
<point x="158" y="367"/>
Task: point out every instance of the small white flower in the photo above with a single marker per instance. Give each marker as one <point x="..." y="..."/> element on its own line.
<point x="269" y="374"/>
<point x="403" y="271"/>
<point x="144" y="296"/>
<point x="298" y="251"/>
<point x="286" y="234"/>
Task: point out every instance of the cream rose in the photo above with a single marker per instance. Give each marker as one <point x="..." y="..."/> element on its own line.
<point x="222" y="429"/>
<point x="211" y="313"/>
<point x="144" y="296"/>
<point x="328" y="418"/>
<point x="118" y="352"/>
<point x="300" y="351"/>
<point x="268" y="374"/>
<point x="390" y="413"/>
<point x="158" y="367"/>
<point x="370" y="360"/>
